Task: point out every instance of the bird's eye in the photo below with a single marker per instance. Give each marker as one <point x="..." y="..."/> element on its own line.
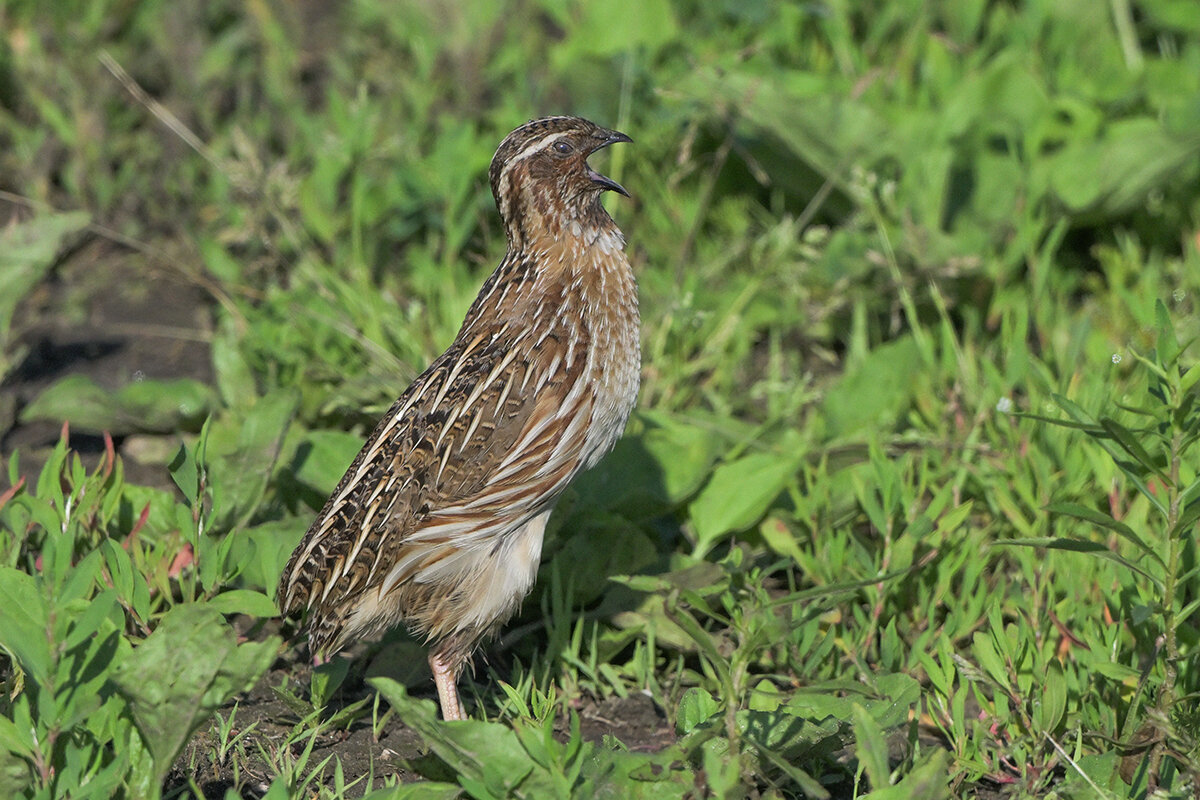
<point x="563" y="148"/>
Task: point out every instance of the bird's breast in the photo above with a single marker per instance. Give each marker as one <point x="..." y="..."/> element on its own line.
<point x="614" y="362"/>
<point x="585" y="274"/>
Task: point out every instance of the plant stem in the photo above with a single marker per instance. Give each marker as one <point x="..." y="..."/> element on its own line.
<point x="1166" y="693"/>
<point x="1175" y="546"/>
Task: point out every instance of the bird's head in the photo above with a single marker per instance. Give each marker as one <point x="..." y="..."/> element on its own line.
<point x="540" y="175"/>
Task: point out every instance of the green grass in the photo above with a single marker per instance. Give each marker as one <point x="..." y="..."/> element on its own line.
<point x="909" y="507"/>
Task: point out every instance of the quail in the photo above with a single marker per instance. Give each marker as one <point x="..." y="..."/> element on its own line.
<point x="438" y="522"/>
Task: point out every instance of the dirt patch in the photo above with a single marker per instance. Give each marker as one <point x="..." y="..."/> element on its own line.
<point x="251" y="764"/>
<point x="635" y="720"/>
<point x="365" y="749"/>
<point x="113" y="315"/>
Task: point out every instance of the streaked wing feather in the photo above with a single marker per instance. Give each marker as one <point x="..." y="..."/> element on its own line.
<point x="474" y="449"/>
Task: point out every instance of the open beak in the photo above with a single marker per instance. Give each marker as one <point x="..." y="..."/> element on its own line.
<point x="608" y="184"/>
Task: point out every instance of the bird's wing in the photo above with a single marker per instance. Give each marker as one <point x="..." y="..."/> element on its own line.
<point x="481" y="443"/>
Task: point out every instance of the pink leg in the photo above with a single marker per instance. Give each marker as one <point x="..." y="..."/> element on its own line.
<point x="446" y="678"/>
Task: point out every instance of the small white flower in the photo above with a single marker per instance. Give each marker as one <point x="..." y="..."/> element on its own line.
<point x="1116" y="358"/>
<point x="1178" y="295"/>
<point x="1004" y="405"/>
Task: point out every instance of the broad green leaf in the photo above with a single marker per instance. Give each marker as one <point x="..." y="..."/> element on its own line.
<point x="1167" y="346"/>
<point x="695" y="707"/>
<point x="1096" y="770"/>
<point x="1190" y="377"/>
<point x="92" y="614"/>
<point x="182" y="673"/>
<point x="425" y="790"/>
<point x="261" y="552"/>
<point x="27" y="252"/>
<point x="326" y="679"/>
<point x="1137" y="155"/>
<point x="234" y="377"/>
<point x="14" y="740"/>
<point x="601" y="545"/>
<point x="940" y="678"/>
<point x="682" y="448"/>
<point x="766" y="696"/>
<point x="120" y="567"/>
<point x="492" y="760"/>
<point x="219" y="261"/>
<point x="870" y="748"/>
<point x="16" y="773"/>
<point x="779" y="537"/>
<point x="738" y="495"/>
<point x="159" y="506"/>
<point x="23" y="617"/>
<point x="1052" y="703"/>
<point x="81" y="579"/>
<point x="989" y="659"/>
<point x="323" y="457"/>
<point x="488" y="754"/>
<point x="129" y="583"/>
<point x="798" y="727"/>
<point x="50" y="479"/>
<point x="83" y="669"/>
<point x="951" y="520"/>
<point x="1117" y="672"/>
<point x="152" y="406"/>
<point x="926" y="780"/>
<point x="241" y="458"/>
<point x="648" y="473"/>
<point x="875" y="392"/>
<point x="278" y="789"/>
<point x="185" y="472"/>
<point x="895" y="694"/>
<point x="244" y="601"/>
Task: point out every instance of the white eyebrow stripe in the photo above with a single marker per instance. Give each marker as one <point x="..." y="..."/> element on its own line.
<point x="535" y="146"/>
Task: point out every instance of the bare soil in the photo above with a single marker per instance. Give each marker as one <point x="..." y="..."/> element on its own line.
<point x="115" y="316"/>
<point x="383" y="755"/>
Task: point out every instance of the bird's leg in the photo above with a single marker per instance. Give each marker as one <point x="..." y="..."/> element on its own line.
<point x="445" y="675"/>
